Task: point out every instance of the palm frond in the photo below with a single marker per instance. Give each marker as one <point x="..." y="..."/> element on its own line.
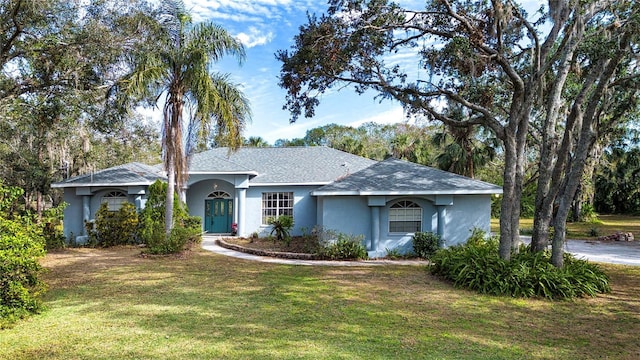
<point x="214" y="41"/>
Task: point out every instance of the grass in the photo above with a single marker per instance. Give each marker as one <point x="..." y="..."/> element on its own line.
<point x="606" y="225"/>
<point x="113" y="304"/>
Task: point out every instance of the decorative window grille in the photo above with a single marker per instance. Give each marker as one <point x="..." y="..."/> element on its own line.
<point x="405" y="217"/>
<point x="219" y="195"/>
<point x="115" y="200"/>
<point x="275" y="204"/>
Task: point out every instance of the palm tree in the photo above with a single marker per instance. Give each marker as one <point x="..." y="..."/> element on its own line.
<point x="174" y="64"/>
<point x="462" y="152"/>
<point x="256" y="141"/>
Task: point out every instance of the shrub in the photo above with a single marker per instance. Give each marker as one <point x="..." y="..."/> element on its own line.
<point x="194" y="225"/>
<point x="393" y="254"/>
<point x="346" y="247"/>
<point x="282" y="226"/>
<point x="425" y="244"/>
<point x="476" y="265"/>
<point x="115" y="227"/>
<point x="316" y="238"/>
<point x="21" y="246"/>
<point x="151" y="229"/>
<point x="52" y="227"/>
<point x="179" y="238"/>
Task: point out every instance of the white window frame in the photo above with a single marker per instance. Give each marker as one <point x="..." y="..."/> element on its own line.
<point x="276" y="204"/>
<point x="114" y="200"/>
<point x="405" y="216"/>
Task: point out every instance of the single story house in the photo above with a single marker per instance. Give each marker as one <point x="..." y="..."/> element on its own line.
<point x="385" y="201"/>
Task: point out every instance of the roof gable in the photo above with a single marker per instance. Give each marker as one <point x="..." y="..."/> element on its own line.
<point x="394" y="176"/>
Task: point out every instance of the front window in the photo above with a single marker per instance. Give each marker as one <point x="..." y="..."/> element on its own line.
<point x="405" y="217"/>
<point x="275" y="204"/>
<point x="115" y="200"/>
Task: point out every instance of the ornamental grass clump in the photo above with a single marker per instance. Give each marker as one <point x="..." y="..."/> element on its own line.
<point x="477" y="266"/>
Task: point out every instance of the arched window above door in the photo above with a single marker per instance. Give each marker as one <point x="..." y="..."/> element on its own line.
<point x="405" y="217"/>
<point x="219" y="195"/>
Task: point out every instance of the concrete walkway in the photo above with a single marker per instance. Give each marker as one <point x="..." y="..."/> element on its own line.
<point x="626" y="253"/>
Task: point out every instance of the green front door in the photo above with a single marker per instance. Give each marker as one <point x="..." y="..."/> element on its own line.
<point x="218" y="215"/>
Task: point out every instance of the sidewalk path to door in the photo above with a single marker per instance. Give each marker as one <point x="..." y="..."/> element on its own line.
<point x="626" y="253"/>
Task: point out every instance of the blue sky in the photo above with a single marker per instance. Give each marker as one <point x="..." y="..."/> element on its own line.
<point x="266" y="26"/>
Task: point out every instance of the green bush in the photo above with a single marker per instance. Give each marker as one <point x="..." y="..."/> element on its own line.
<point x="477" y="266"/>
<point x="52" y="227"/>
<point x="115" y="227"/>
<point x="282" y="226"/>
<point x="425" y="244"/>
<point x="179" y="238"/>
<point x="194" y="225"/>
<point x="346" y="247"/>
<point x="21" y="247"/>
<point x="151" y="228"/>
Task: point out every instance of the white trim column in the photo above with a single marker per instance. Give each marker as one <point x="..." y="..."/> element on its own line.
<point x="242" y="200"/>
<point x="375" y="203"/>
<point x="236" y="201"/>
<point x="442" y="215"/>
<point x="86" y="212"/>
<point x="375" y="228"/>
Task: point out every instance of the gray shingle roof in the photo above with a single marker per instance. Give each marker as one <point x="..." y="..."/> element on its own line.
<point x="275" y="165"/>
<point x="341" y="173"/>
<point x="131" y="174"/>
<point x="394" y="176"/>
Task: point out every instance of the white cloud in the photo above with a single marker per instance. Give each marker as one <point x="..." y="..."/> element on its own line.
<point x="392" y="116"/>
<point x="255" y="37"/>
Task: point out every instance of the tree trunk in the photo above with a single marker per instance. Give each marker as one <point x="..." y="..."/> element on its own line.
<point x="509" y="233"/>
<point x="39" y="204"/>
<point x="171" y="184"/>
<point x="576" y="205"/>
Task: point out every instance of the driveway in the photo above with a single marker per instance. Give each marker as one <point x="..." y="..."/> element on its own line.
<point x="612" y="252"/>
<point x="616" y="252"/>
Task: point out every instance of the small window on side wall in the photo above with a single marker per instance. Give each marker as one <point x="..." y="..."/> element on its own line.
<point x="115" y="200"/>
<point x="405" y="217"/>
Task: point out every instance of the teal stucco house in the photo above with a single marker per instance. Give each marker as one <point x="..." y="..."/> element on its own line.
<point x="385" y="201"/>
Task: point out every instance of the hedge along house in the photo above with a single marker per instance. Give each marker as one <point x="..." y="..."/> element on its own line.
<point x="386" y="201"/>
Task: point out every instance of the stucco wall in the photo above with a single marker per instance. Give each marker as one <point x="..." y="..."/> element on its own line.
<point x="304" y="209"/>
<point x="468" y="212"/>
<point x="347" y="214"/>
<point x="73" y="213"/>
<point x="352" y="215"/>
<point x="73" y="223"/>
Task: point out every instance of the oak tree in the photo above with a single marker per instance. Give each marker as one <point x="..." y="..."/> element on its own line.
<point x="506" y="69"/>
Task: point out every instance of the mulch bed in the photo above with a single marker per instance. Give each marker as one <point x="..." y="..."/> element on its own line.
<point x="298" y="248"/>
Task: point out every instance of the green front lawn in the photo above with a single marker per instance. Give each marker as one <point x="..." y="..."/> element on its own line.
<point x="606" y="225"/>
<point x="112" y="304"/>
